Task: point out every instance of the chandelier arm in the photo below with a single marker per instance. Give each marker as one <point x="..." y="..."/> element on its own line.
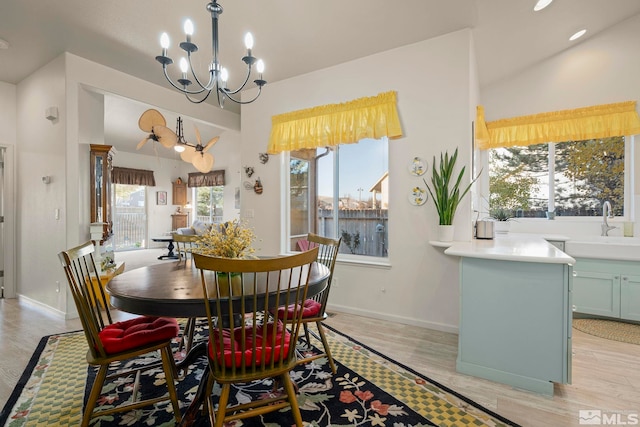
<point x="196" y="101"/>
<point x="242" y="102"/>
<point x="183" y="90"/>
<point x="212" y="81"/>
<point x="246" y="79"/>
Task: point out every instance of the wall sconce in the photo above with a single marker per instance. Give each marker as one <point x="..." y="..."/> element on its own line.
<point x="46" y="179"/>
<point x="51" y="113"/>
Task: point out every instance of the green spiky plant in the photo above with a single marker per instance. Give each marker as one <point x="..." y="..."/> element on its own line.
<point x="446" y="196"/>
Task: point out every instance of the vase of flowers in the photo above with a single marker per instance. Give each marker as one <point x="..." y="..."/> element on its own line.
<point x="233" y="239"/>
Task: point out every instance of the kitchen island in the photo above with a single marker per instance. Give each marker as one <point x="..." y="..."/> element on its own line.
<point x="515" y="311"/>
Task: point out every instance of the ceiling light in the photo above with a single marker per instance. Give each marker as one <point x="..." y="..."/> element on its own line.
<point x="4" y="44"/>
<point x="577" y="35"/>
<point x="541" y="4"/>
<point x="217" y="75"/>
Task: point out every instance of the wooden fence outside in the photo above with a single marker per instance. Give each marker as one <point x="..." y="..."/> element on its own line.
<point x="369" y="225"/>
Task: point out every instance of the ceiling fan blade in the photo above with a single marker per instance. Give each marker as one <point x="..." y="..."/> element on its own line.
<point x="149" y="119"/>
<point x="188" y="154"/>
<point x="197" y="134"/>
<point x="204" y="162"/>
<point x="142" y="142"/>
<point x="210" y="143"/>
<point x="166" y="136"/>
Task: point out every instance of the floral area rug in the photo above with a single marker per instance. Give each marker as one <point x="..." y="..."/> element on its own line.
<point x="369" y="389"/>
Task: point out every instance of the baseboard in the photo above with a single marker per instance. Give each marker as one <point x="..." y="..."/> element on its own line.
<point x="393" y="318"/>
<point x="31" y="301"/>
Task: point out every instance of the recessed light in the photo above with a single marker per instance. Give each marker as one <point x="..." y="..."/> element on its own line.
<point x="4" y="44"/>
<point x="577" y="35"/>
<point x="541" y="4"/>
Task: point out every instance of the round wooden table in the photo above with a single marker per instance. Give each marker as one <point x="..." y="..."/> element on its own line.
<point x="175" y="289"/>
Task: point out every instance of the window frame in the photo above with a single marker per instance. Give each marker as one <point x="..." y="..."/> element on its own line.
<point x="344" y="258"/>
<point x="481" y="205"/>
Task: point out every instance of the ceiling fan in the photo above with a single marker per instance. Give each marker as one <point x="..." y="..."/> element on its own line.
<point x="152" y="121"/>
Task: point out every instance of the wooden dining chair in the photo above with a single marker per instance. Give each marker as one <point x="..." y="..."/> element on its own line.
<point x="245" y="343"/>
<point x="314" y="308"/>
<point x="184" y="244"/>
<point x="111" y="342"/>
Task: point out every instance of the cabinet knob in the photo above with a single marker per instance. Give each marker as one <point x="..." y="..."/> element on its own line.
<point x="573" y="307"/>
<point x="625" y="278"/>
<point x="575" y="273"/>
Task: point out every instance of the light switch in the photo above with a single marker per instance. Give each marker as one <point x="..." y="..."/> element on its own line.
<point x="57" y="213"/>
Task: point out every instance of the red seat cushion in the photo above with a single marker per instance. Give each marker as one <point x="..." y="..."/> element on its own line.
<point x="137" y="332"/>
<point x="310" y="308"/>
<point x="264" y="335"/>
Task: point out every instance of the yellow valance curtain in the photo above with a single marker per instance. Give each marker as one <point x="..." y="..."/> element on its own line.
<point x="334" y="124"/>
<point x="599" y="121"/>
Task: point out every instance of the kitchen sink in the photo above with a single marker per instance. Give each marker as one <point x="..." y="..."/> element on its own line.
<point x="604" y="247"/>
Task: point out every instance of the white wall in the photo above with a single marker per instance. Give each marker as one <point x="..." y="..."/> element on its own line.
<point x="41" y="151"/>
<point x="601" y="70"/>
<point x="433" y="83"/>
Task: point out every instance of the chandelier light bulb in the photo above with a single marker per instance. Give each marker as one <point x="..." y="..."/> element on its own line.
<point x="224" y="75"/>
<point x="179" y="148"/>
<point x="188" y="27"/>
<point x="248" y="41"/>
<point x="260" y="66"/>
<point x="164" y="41"/>
<point x="184" y="65"/>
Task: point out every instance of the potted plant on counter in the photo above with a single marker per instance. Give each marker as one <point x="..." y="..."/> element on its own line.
<point x="446" y="193"/>
<point x="502" y="217"/>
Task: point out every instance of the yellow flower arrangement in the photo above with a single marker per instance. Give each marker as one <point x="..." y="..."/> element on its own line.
<point x="232" y="239"/>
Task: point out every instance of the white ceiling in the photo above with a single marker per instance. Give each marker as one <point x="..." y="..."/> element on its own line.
<point x="292" y="36"/>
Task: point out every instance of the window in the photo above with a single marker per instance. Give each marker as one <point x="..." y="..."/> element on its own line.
<point x="129" y="217"/>
<point x="209" y="203"/>
<point x="348" y="182"/>
<point x="571" y="178"/>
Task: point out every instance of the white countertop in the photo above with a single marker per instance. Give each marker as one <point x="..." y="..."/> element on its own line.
<point x="513" y="247"/>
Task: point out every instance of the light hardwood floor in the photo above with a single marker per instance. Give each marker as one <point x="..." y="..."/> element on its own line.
<point x="606" y="374"/>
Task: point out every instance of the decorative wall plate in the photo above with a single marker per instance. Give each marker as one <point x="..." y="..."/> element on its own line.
<point x="418" y="196"/>
<point x="417" y="167"/>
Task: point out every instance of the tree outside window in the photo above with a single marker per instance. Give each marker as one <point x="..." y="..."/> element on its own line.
<point x="579" y="175"/>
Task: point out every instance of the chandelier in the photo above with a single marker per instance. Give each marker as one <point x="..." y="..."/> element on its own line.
<point x="217" y="75"/>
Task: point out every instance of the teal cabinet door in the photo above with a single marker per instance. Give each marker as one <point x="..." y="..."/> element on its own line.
<point x="596" y="293"/>
<point x="630" y="297"/>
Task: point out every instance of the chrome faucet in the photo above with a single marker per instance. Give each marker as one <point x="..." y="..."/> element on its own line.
<point x="606" y="213"/>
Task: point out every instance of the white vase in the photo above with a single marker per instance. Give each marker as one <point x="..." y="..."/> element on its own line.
<point x="502" y="227"/>
<point x="445" y="233"/>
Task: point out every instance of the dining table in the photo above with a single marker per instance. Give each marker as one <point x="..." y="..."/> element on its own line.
<point x="175" y="290"/>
